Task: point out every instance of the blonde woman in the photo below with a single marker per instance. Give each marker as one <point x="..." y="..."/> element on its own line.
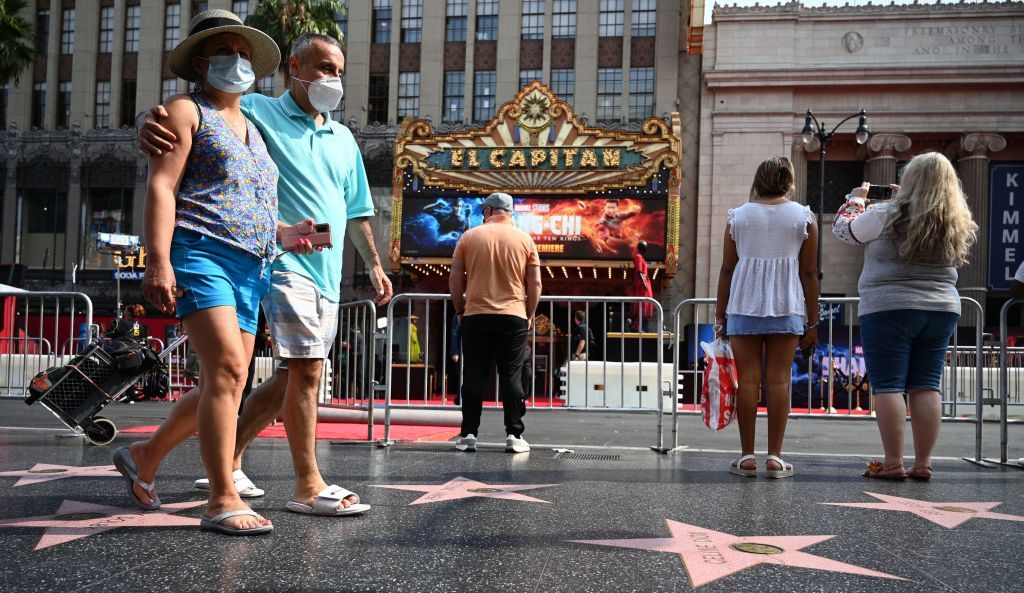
<point x="909" y="305"/>
<point x="768" y="304"/>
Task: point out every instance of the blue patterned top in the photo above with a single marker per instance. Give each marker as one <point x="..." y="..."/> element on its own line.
<point x="229" y="189"/>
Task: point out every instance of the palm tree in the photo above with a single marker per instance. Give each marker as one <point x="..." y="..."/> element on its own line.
<point x="286" y="20"/>
<point x="16" y="41"/>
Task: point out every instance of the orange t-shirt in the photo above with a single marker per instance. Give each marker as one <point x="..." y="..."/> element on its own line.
<point x="496" y="255"/>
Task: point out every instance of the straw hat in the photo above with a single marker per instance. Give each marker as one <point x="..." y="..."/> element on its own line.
<point x="265" y="54"/>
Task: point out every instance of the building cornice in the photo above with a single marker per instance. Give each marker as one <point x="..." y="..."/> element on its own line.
<point x="860" y="77"/>
<point x="794" y="10"/>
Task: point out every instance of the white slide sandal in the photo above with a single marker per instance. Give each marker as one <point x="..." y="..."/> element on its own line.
<point x="244" y="486"/>
<point x="328" y="504"/>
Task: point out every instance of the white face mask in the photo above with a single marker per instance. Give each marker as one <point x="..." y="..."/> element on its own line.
<point x="231" y="74"/>
<point x="325" y="93"/>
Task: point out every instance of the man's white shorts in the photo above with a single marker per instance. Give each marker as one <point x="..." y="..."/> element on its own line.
<point x="303" y="324"/>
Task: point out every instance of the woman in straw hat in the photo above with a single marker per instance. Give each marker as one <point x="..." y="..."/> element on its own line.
<point x="210" y="222"/>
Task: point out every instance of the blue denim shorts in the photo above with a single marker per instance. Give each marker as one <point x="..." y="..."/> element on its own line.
<point x="749" y="325"/>
<point x="215" y="274"/>
<point x="906" y="348"/>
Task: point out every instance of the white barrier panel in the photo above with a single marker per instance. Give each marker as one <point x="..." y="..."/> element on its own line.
<point x="39" y="330"/>
<point x="629" y="385"/>
<point x="18" y="369"/>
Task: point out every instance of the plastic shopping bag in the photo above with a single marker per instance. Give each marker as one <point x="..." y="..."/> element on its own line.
<point x="721" y="384"/>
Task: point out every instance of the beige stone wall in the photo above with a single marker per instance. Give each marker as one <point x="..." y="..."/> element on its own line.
<point x="932" y="73"/>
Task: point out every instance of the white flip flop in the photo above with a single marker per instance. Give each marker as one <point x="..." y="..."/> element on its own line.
<point x="328" y="504"/>
<point x="244" y="486"/>
<point x="217" y="524"/>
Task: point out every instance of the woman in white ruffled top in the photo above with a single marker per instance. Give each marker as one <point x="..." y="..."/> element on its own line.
<point x="768" y="304"/>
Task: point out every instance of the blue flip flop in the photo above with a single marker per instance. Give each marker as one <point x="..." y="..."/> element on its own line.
<point x="126" y="466"/>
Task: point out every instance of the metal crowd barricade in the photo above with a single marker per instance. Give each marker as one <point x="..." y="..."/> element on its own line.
<point x="178" y="373"/>
<point x="820" y="377"/>
<point x="33" y="323"/>
<point x="1004" y="379"/>
<point x="953" y="370"/>
<point x="420" y="370"/>
<point x="349" y="376"/>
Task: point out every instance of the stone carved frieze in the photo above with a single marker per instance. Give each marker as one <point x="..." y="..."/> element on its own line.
<point x="11" y="141"/>
<point x="798" y="8"/>
<point x="106" y="171"/>
<point x="75" y="140"/>
<point x="889" y="143"/>
<point x="980" y="143"/>
<point x="44" y="172"/>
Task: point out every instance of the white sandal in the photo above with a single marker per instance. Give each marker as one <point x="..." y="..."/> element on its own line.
<point x="328" y="503"/>
<point x="785" y="472"/>
<point x="244" y="486"/>
<point x="736" y="467"/>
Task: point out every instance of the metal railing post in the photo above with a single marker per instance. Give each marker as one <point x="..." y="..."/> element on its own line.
<point x="1004" y="377"/>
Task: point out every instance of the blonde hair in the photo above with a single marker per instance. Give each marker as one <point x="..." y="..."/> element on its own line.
<point x="774" y="177"/>
<point x="932" y="223"/>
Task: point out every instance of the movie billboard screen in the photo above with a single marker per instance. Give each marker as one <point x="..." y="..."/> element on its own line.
<point x="586" y="228"/>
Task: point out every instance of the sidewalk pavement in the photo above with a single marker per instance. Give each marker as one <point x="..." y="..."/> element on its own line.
<point x="612" y="519"/>
<point x="853" y="436"/>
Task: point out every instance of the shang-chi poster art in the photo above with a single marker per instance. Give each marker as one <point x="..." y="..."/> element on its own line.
<point x="563" y="228"/>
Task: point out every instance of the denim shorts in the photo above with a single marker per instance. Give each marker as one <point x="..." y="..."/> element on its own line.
<point x="906" y="348"/>
<point x="750" y="325"/>
<point x="215" y="274"/>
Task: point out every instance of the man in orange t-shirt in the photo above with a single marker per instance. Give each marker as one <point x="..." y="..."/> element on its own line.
<point x="495" y="287"/>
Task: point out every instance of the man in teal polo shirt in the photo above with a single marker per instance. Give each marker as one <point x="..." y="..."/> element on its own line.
<point x="322" y="179"/>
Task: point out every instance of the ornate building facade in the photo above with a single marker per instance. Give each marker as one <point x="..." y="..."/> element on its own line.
<point x="943" y="77"/>
<point x="71" y="169"/>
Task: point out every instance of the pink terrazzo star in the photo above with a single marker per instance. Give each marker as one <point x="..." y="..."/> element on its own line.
<point x="465" y="488"/>
<point x="75" y="520"/>
<point x="947" y="514"/>
<point x="710" y="555"/>
<point x="44" y="472"/>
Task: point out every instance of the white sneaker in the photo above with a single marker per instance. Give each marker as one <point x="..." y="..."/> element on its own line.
<point x="516" y="444"/>
<point x="1020" y="461"/>
<point x="466" y="443"/>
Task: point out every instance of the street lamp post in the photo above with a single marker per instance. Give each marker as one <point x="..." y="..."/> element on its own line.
<point x="817" y="130"/>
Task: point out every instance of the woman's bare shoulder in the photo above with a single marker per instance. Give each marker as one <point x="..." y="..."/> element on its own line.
<point x="181" y="109"/>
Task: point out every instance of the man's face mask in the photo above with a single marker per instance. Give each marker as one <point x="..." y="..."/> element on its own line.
<point x="325" y="93"/>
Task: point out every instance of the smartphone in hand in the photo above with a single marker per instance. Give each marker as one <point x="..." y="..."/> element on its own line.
<point x="879" y="192"/>
<point x="318" y="234"/>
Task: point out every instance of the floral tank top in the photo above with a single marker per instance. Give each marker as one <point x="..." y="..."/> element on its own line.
<point x="229" y="189"/>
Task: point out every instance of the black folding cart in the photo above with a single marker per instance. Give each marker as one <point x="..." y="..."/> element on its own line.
<point x="79" y="390"/>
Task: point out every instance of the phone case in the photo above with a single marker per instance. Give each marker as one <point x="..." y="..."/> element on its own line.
<point x="317" y="234"/>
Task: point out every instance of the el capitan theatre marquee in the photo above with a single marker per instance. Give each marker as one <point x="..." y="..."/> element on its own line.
<point x="586" y="195"/>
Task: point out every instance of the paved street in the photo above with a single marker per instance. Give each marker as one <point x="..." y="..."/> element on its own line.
<point x="596" y="518"/>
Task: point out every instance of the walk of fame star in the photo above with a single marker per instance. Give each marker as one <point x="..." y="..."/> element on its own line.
<point x="710" y="555"/>
<point x="947" y="514"/>
<point x="75" y="520"/>
<point x="461" y="487"/>
<point x="44" y="472"/>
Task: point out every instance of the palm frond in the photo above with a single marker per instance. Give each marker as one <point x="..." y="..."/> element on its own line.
<point x="285" y="21"/>
<point x="17" y="50"/>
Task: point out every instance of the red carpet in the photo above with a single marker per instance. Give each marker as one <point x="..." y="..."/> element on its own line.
<point x="332" y="431"/>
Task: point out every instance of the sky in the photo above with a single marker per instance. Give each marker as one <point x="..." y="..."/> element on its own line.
<point x="710" y="3"/>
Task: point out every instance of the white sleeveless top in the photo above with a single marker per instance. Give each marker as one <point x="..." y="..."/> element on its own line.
<point x="766" y="282"/>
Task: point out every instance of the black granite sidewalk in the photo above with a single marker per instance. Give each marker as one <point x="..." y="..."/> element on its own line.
<point x="613" y="519"/>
